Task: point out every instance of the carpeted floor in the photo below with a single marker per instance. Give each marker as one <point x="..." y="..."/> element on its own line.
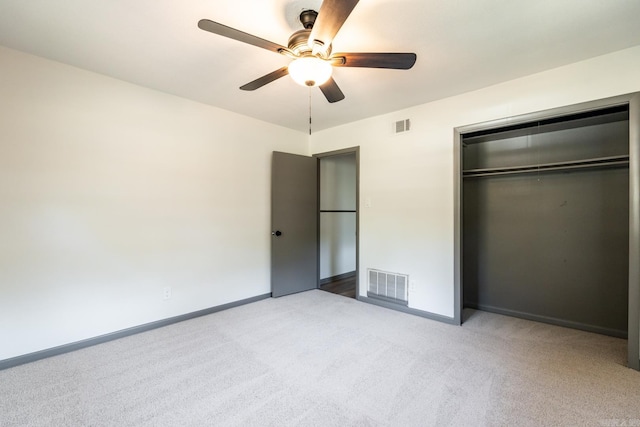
<point x="319" y="359"/>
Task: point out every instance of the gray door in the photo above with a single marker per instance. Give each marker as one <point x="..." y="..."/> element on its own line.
<point x="294" y="222"/>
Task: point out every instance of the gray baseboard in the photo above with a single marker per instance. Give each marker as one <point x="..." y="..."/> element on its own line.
<point x="337" y="277"/>
<point x="549" y="320"/>
<point x="66" y="348"/>
<point x="404" y="309"/>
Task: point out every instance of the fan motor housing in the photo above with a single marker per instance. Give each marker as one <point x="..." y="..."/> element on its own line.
<point x="308" y="18"/>
<point x="299" y="43"/>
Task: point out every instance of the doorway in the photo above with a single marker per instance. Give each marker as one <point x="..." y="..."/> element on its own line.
<point x="338" y="221"/>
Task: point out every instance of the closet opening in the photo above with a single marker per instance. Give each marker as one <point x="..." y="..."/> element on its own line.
<point x="547" y="218"/>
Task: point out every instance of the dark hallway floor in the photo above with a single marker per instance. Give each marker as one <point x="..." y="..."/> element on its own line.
<point x="345" y="286"/>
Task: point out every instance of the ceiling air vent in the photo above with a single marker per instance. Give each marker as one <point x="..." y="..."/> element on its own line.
<point x="402" y="126"/>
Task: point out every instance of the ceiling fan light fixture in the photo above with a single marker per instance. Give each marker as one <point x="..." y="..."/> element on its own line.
<point x="310" y="50"/>
<point x="310" y="71"/>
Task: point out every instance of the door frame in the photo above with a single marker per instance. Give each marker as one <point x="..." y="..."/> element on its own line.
<point x="343" y="151"/>
<point x="633" y="101"/>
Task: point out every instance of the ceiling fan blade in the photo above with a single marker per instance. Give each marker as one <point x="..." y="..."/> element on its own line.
<point x="396" y="61"/>
<point x="331" y="91"/>
<point x="232" y="33"/>
<point x="331" y="16"/>
<point x="258" y="83"/>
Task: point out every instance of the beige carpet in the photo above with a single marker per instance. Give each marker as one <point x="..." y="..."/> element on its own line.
<point x="318" y="359"/>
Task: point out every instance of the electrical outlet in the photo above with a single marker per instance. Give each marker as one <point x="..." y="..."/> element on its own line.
<point x="166" y="294"/>
<point x="412" y="286"/>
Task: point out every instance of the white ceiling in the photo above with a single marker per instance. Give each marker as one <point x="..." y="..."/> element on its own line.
<point x="461" y="45"/>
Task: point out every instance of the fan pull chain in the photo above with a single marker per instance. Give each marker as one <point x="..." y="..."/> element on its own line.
<point x="309" y="110"/>
<point x="538" y="155"/>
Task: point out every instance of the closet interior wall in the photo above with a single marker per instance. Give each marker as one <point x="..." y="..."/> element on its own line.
<point x="545" y="220"/>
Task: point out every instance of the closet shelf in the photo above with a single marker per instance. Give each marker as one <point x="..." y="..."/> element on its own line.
<point x="599" y="162"/>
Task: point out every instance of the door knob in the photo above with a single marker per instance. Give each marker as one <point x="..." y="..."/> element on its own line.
<point x="276" y="233"/>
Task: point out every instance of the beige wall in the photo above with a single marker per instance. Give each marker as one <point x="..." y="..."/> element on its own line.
<point x="110" y="192"/>
<point x="409" y="178"/>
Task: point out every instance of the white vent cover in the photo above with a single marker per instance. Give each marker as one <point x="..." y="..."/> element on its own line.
<point x="402" y="126"/>
<point x="390" y="286"/>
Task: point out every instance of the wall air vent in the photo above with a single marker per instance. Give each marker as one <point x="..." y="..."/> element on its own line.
<point x="387" y="286"/>
<point x="402" y="126"/>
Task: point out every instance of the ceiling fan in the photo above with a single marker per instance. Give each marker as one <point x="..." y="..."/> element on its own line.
<point x="311" y="51"/>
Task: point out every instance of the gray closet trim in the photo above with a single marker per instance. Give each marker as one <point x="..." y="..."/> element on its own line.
<point x="633" y="101"/>
<point x="457" y="225"/>
<point x="66" y="348"/>
<point x="634" y="232"/>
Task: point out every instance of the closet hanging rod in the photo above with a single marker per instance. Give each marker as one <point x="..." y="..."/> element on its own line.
<point x="600" y="162"/>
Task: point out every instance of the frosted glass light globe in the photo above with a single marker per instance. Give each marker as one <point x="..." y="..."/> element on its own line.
<point x="310" y="71"/>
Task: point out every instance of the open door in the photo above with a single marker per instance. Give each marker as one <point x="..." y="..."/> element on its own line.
<point x="294" y="222"/>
